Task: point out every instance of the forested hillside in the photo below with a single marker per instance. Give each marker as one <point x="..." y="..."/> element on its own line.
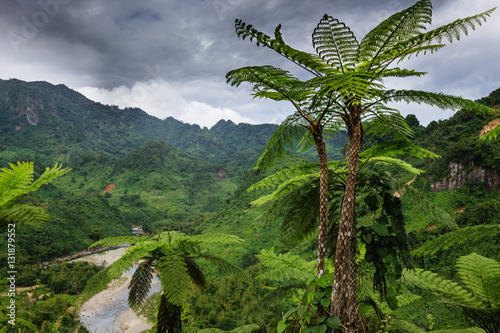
<point x="129" y="168"/>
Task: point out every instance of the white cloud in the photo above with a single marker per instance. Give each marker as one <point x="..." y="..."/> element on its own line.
<point x="160" y="99"/>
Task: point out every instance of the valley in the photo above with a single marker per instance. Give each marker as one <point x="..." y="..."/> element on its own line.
<point x="130" y="169"/>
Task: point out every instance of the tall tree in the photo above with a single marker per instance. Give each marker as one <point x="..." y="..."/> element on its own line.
<point x="346" y="89"/>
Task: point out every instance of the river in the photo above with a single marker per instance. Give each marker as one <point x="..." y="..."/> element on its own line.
<point x="108" y="311"/>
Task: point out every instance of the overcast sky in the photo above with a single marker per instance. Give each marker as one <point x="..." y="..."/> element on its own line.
<point x="170" y="57"/>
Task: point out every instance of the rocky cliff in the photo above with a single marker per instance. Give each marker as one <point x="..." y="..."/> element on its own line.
<point x="459" y="175"/>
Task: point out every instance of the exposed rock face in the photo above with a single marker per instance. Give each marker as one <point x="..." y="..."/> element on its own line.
<point x="459" y="176"/>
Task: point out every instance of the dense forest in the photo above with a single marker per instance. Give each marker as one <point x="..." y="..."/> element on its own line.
<point x="185" y="181"/>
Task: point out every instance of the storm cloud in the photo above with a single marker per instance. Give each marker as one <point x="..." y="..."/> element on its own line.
<point x="169" y="57"/>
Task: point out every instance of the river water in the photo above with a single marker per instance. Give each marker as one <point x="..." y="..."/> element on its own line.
<point x="108" y="311"/>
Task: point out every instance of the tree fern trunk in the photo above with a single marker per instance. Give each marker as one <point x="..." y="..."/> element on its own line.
<point x="347" y="228"/>
<point x="317" y="133"/>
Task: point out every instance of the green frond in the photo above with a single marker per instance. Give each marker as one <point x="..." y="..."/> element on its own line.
<point x="284" y="137"/>
<point x="216" y="238"/>
<point x="398" y="72"/>
<point x="404" y="326"/>
<point x="468" y="234"/>
<point x="140" y="284"/>
<point x="119" y="240"/>
<point x="400" y="26"/>
<point x="428" y="208"/>
<point x="384" y="119"/>
<point x="285" y="275"/>
<point x="48" y="176"/>
<point x="240" y="329"/>
<point x="335" y="43"/>
<point x="97" y="283"/>
<point x="452" y="31"/>
<point x="175" y="279"/>
<point x="397" y="148"/>
<point x="279" y="177"/>
<point x="462" y="330"/>
<point x="132" y="256"/>
<point x="440" y="100"/>
<point x="301" y="218"/>
<point x="225" y="265"/>
<point x="439" y="285"/>
<point x="14" y="182"/>
<point x="270" y="82"/>
<point x="285" y="261"/>
<point x="308" y="61"/>
<point x="285" y="188"/>
<point x="397" y="163"/>
<point x="24" y="213"/>
<point x="492" y="134"/>
<point x="195" y="273"/>
<point x="482" y="276"/>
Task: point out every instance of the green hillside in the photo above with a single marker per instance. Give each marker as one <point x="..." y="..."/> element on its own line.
<point x="129" y="168"/>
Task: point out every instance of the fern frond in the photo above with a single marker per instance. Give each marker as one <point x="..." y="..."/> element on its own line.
<point x="133" y="255"/>
<point x="285" y="188"/>
<point x="434" y="212"/>
<point x="48" y="176"/>
<point x="491" y="134"/>
<point x="397" y="148"/>
<point x="284" y="137"/>
<point x="140" y="284"/>
<point x="395" y="162"/>
<point x="24" y="213"/>
<point x="280" y="261"/>
<point x="225" y="265"/>
<point x="462" y="330"/>
<point x="452" y="31"/>
<point x="482" y="276"/>
<point x="439" y="285"/>
<point x="440" y="100"/>
<point x="14" y="182"/>
<point x="119" y="240"/>
<point x="400" y="26"/>
<point x="97" y="283"/>
<point x="335" y="43"/>
<point x="279" y="177"/>
<point x="217" y="238"/>
<point x="308" y="61"/>
<point x="175" y="278"/>
<point x="384" y="119"/>
<point x="470" y="234"/>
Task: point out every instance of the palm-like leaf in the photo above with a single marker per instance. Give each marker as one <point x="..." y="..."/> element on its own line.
<point x="481" y="299"/>
<point x="140" y="284"/>
<point x="335" y="43"/>
<point x="469" y="234"/>
<point x="15" y="183"/>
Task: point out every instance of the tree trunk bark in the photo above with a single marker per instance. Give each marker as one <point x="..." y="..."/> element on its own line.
<point x="317" y="133"/>
<point x="341" y="293"/>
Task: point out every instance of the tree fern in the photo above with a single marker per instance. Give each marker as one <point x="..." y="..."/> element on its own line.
<point x="346" y="86"/>
<point x="470" y="234"/>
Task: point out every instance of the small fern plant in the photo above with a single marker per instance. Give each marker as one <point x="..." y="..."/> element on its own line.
<point x="175" y="257"/>
<point x="17" y="182"/>
<point x="478" y="295"/>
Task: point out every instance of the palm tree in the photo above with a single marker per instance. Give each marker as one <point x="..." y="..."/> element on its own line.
<point x="15" y="183"/>
<point x="175" y="256"/>
<point x="346" y="90"/>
